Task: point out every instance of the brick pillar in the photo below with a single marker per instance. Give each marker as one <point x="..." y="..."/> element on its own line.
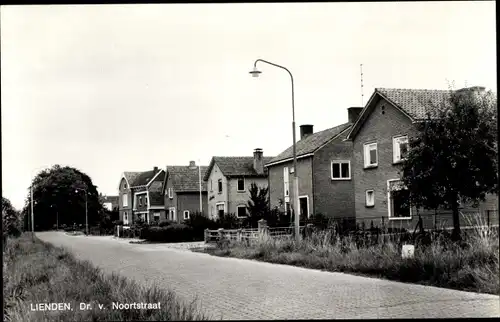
<point x="240" y="233"/>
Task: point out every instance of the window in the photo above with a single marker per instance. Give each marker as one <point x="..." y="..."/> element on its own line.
<point x="288" y="211"/>
<point x="399" y="148"/>
<point x="140" y="201"/>
<point x="241" y="184"/>
<point x="398" y="197"/>
<point x="370" y="155"/>
<point x="241" y="211"/>
<point x="170" y="193"/>
<point x="156" y="216"/>
<point x="286" y="176"/>
<point x="341" y="170"/>
<point x="219" y="184"/>
<point x="186" y="214"/>
<point x="125" y="200"/>
<point x="370" y="198"/>
<point x="220" y="209"/>
<point x="171" y="214"/>
<point x="211" y="185"/>
<point x="125" y="218"/>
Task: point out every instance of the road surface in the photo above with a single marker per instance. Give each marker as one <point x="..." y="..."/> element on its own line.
<point x="231" y="288"/>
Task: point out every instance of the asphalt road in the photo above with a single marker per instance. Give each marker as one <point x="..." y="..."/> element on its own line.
<point x="231" y="288"/>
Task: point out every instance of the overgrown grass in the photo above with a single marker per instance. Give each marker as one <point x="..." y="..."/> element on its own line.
<point x="472" y="266"/>
<point x="37" y="272"/>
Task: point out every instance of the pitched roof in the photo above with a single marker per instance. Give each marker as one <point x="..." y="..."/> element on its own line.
<point x="156" y="198"/>
<point x="186" y="178"/>
<point x="131" y="176"/>
<point x="414" y="103"/>
<point x="236" y="166"/>
<point x="312" y="142"/>
<point x="143" y="178"/>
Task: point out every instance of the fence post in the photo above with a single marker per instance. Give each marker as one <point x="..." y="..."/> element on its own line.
<point x="206" y="236"/>
<point x="262" y="224"/>
<point x="221" y="233"/>
<point x="240" y="232"/>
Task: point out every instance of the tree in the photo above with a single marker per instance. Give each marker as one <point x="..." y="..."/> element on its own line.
<point x="453" y="157"/>
<point x="258" y="204"/>
<point x="11" y="222"/>
<point x="57" y="193"/>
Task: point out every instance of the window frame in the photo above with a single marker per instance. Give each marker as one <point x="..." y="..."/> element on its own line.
<point x="170" y="193"/>
<point x="171" y="210"/>
<point x="390" y="202"/>
<point x="286" y="182"/>
<point x="366" y="155"/>
<point x="396" y="148"/>
<point x="367" y="205"/>
<point x="156" y="214"/>
<point x="238" y="184"/>
<point x="237" y="211"/>
<point x="184" y="214"/>
<point x="220" y="188"/>
<point x="125" y="200"/>
<point x="340" y="162"/>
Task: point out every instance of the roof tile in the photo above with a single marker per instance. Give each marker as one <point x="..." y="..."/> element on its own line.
<point x="239" y="166"/>
<point x="186" y="179"/>
<point x="312" y="142"/>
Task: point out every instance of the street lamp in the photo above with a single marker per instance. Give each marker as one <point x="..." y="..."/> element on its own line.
<point x="86" y="212"/>
<point x="255" y="73"/>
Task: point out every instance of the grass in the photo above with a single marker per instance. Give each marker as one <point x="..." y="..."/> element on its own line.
<point x="472" y="266"/>
<point x="37" y="272"/>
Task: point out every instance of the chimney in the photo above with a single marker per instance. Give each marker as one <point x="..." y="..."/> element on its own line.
<point x="258" y="161"/>
<point x="305" y="130"/>
<point x="353" y="113"/>
<point x="155" y="169"/>
<point x="192" y="164"/>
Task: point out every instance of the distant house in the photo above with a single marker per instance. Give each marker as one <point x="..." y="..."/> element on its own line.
<point x="140" y="195"/>
<point x="380" y="139"/>
<point x="181" y="191"/>
<point x="324" y="172"/>
<point x="110" y="203"/>
<point x="228" y="180"/>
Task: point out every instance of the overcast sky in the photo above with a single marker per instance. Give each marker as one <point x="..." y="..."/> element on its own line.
<point x="113" y="88"/>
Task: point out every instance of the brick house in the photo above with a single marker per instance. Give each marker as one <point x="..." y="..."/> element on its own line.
<point x="380" y="141"/>
<point x="228" y="180"/>
<point x="323" y="169"/>
<point x="140" y="195"/>
<point x="181" y="191"/>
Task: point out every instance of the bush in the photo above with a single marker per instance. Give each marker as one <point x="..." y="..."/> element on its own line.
<point x="173" y="233"/>
<point x="199" y="222"/>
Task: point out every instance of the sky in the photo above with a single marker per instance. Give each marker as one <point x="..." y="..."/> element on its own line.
<point x="114" y="88"/>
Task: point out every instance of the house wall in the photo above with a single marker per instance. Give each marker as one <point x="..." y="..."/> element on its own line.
<point x="333" y="198"/>
<point x="214" y="196"/>
<point x="190" y="201"/>
<point x="125" y="190"/>
<point x="170" y="202"/>
<point x="382" y="128"/>
<point x="378" y="128"/>
<point x="237" y="198"/>
<point x="276" y="183"/>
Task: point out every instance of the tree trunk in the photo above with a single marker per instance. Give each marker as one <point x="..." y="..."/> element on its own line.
<point x="456" y="236"/>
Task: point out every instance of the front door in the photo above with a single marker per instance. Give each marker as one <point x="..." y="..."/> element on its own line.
<point x="304" y="206"/>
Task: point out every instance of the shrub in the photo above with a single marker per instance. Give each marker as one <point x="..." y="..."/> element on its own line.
<point x="173" y="233"/>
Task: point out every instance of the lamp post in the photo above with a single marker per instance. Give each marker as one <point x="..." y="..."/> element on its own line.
<point x="86" y="212"/>
<point x="199" y="179"/>
<point x="255" y="73"/>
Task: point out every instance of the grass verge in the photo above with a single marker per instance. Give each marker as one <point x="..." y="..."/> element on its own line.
<point x="474" y="267"/>
<point x="37" y="272"/>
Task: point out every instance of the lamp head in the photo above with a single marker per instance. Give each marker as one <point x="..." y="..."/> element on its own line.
<point x="255" y="72"/>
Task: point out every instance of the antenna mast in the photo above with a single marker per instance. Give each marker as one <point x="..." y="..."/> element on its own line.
<point x="361" y="68"/>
